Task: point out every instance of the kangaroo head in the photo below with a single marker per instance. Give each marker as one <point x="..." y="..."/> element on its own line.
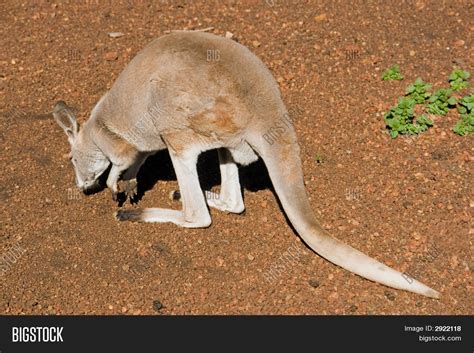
<point x="88" y="160"/>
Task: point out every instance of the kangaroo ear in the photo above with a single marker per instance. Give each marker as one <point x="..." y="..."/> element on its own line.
<point x="66" y="118"/>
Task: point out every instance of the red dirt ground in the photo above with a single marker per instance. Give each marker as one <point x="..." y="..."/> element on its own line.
<point x="406" y="202"/>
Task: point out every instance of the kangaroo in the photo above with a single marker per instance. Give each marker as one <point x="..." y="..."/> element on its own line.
<point x="177" y="94"/>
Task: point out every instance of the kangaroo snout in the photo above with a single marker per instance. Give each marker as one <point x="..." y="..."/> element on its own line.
<point x="91" y="187"/>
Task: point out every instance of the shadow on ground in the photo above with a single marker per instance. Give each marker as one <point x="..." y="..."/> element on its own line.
<point x="159" y="167"/>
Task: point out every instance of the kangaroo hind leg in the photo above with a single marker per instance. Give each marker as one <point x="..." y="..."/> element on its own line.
<point x="230" y="198"/>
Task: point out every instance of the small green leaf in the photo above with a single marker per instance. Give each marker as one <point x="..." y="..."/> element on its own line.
<point x="458" y="79"/>
<point x="418" y="91"/>
<point x="392" y="73"/>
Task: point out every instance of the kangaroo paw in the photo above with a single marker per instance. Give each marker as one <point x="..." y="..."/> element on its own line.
<point x="129" y="187"/>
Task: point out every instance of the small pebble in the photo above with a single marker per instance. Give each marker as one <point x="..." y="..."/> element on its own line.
<point x="320" y="18"/>
<point x="175" y="195"/>
<point x="389" y="295"/>
<point x="313" y="283"/>
<point x="157" y="305"/>
<point x="111" y="56"/>
<point x="115" y="34"/>
<point x="454" y="261"/>
<point x="219" y="261"/>
<point x="353" y="308"/>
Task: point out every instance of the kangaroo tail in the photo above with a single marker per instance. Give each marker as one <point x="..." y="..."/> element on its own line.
<point x="284" y="167"/>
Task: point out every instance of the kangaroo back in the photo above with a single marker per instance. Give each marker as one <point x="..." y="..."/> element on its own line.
<point x="188" y="81"/>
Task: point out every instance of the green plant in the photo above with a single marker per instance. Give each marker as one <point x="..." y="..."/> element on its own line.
<point x="466" y="108"/>
<point x="319" y="158"/>
<point x="418" y="91"/>
<point x="424" y="122"/>
<point x="401" y="120"/>
<point x="464" y="126"/>
<point x="458" y="79"/>
<point x="392" y="73"/>
<point x="440" y="101"/>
